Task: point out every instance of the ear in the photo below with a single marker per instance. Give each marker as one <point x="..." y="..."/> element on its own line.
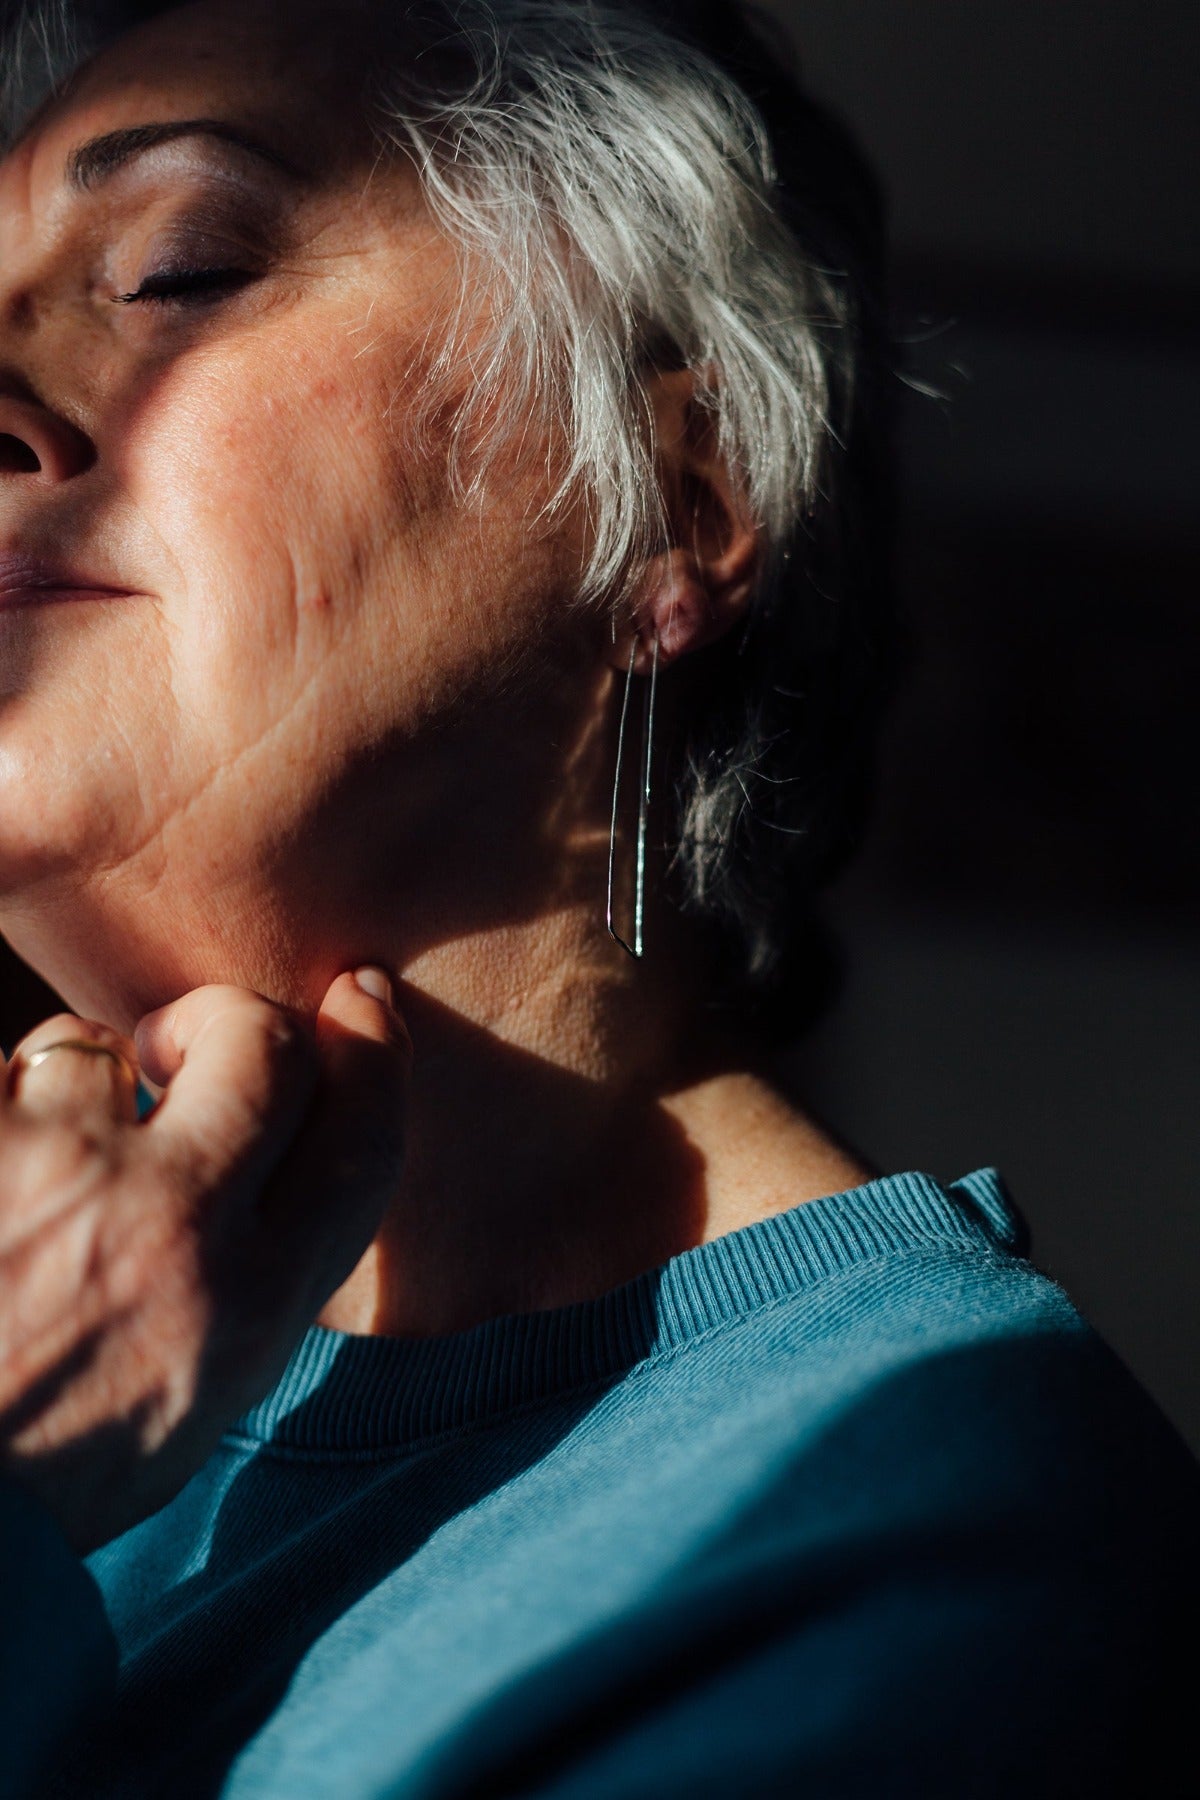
<point x="702" y="582"/>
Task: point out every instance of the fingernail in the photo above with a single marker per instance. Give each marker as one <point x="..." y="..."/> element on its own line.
<point x="377" y="983"/>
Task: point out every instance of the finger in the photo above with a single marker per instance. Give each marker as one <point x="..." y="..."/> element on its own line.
<point x="239" y="1073"/>
<point x="75" y="1070"/>
<point x="327" y="1200"/>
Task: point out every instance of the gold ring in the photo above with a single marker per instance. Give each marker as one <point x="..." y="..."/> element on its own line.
<point x="85" y="1047"/>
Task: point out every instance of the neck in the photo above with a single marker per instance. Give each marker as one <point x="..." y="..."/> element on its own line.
<point x="560" y="1141"/>
<point x="567" y="1128"/>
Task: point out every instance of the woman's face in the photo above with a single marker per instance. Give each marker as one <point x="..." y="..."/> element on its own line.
<point x="209" y="363"/>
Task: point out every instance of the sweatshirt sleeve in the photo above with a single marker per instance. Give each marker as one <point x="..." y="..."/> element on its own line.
<point x="58" y="1655"/>
<point x="983" y="1582"/>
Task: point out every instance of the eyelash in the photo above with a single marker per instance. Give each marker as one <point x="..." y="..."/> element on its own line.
<point x="183" y="287"/>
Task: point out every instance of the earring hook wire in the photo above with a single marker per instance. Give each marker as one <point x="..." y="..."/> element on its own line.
<point x="639" y="904"/>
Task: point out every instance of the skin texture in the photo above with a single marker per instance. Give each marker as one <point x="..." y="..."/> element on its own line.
<point x="339" y="717"/>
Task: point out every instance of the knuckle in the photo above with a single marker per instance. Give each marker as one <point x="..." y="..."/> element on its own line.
<point x="288" y="1051"/>
<point x="282" y="1035"/>
<point x="274" y="1032"/>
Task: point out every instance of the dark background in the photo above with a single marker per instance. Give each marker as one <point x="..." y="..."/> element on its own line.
<point x="1024" y="948"/>
<point x="1023" y="935"/>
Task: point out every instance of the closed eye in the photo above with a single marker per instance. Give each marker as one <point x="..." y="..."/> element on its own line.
<point x="187" y="286"/>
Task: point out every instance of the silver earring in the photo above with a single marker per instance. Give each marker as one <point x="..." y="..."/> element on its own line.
<point x="639" y="902"/>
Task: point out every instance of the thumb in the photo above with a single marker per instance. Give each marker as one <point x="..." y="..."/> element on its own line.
<point x="366" y="1055"/>
<point x="345" y="1165"/>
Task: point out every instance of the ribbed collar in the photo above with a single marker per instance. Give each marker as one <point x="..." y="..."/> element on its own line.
<point x="345" y="1393"/>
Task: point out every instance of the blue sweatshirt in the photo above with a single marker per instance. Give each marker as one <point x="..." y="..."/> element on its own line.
<point x="848" y="1503"/>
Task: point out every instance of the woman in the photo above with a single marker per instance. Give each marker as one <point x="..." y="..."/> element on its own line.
<point x="422" y="431"/>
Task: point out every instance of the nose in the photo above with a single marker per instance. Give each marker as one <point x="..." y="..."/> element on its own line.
<point x="37" y="444"/>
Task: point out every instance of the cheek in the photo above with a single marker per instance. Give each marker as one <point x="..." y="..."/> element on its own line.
<point x="269" y="477"/>
<point x="327" y="593"/>
<point x="316" y="534"/>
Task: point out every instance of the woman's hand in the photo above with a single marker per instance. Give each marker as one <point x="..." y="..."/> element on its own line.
<point x="154" y="1277"/>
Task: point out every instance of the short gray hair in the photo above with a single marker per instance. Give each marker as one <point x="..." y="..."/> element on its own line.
<point x="647" y="190"/>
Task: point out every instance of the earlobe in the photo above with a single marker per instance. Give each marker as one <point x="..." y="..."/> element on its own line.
<point x="675" y="606"/>
<point x="672" y="608"/>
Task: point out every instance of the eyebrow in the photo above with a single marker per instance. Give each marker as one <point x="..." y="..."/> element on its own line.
<point x="100" y="158"/>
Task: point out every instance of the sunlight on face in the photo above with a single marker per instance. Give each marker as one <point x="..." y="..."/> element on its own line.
<point x="211" y="341"/>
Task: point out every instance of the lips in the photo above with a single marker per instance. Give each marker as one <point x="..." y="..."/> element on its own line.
<point x="34" y="580"/>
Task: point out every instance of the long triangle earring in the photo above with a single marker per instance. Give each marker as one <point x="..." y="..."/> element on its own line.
<point x="639" y="901"/>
